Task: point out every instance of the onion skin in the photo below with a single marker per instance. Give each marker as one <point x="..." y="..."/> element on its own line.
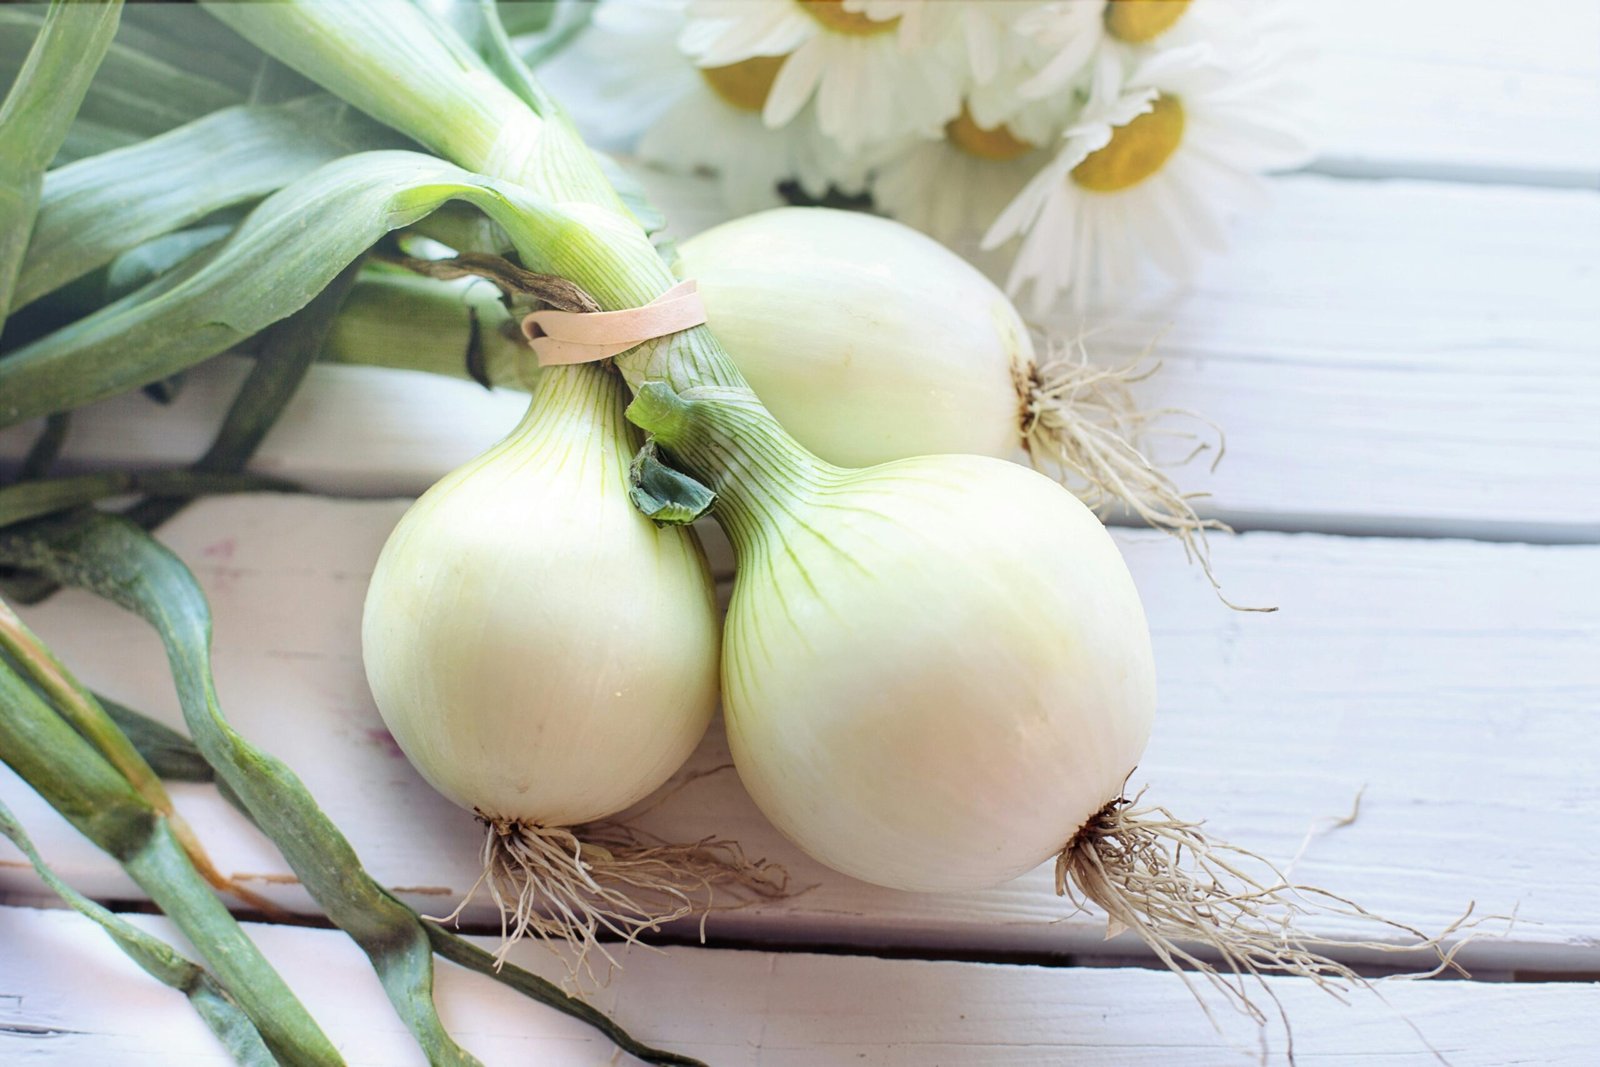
<point x="540" y="650"/>
<point x="867" y="340"/>
<point x="935" y="671"/>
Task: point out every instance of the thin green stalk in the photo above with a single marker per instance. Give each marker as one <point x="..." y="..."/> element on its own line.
<point x="460" y="329"/>
<point x="29" y="500"/>
<point x="80" y="708"/>
<point x="287" y="350"/>
<point x="85" y="714"/>
<point x="459" y="950"/>
<point x="226" y="1019"/>
<point x="45" y="448"/>
<point x="36" y="114"/>
<point x="78" y="782"/>
<point x="170" y="754"/>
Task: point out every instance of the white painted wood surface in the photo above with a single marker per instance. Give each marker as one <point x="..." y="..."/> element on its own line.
<point x="1427" y="363"/>
<point x="1411" y="356"/>
<point x="1424" y="672"/>
<point x="1482" y="91"/>
<point x="784" y="1009"/>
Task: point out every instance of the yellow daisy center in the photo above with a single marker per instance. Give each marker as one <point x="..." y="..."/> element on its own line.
<point x="1142" y="20"/>
<point x="833" y="16"/>
<point x="998" y="144"/>
<point x="745" y="84"/>
<point x="1135" y="151"/>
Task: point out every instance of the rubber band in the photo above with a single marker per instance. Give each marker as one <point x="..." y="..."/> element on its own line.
<point x="565" y="337"/>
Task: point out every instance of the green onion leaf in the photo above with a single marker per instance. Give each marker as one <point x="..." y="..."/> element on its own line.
<point x="30" y="500"/>
<point x="36" y="113"/>
<point x="286" y="352"/>
<point x="288" y="250"/>
<point x="134" y="94"/>
<point x="158" y="959"/>
<point x="170" y="754"/>
<point x="95" y="209"/>
<point x="76" y="780"/>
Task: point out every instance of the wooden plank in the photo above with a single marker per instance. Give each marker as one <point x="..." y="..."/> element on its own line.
<point x="1404" y="358"/>
<point x="1453" y="682"/>
<point x="68" y="997"/>
<point x="1467" y="91"/>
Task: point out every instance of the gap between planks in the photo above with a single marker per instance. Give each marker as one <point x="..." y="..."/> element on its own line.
<point x="1452" y="681"/>
<point x="780" y="1010"/>
<point x="1447" y="387"/>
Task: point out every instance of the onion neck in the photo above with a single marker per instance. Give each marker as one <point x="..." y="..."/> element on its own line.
<point x="713" y="426"/>
<point x="725" y="438"/>
<point x="580" y="407"/>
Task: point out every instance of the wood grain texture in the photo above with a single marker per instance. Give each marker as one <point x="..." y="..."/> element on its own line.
<point x="1427" y="366"/>
<point x="1453" y="682"/>
<point x="1474" y="91"/>
<point x="68" y="997"/>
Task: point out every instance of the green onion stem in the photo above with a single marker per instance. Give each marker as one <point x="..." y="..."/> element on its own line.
<point x="35" y="116"/>
<point x="76" y="780"/>
<point x="456" y="106"/>
<point x="158" y="959"/>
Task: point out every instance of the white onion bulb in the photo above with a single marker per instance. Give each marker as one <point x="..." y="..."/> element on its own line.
<point x="871" y="342"/>
<point x="867" y="340"/>
<point x="935" y="671"/>
<point x="543" y="653"/>
<point x="969" y="682"/>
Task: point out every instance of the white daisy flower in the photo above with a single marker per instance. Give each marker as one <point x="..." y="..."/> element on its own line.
<point x="1063" y="36"/>
<point x="870" y="83"/>
<point x="952" y="189"/>
<point x="981" y="32"/>
<point x="623" y="72"/>
<point x="1146" y="173"/>
<point x="1067" y="33"/>
<point x="716" y="126"/>
<point x="1221" y="23"/>
<point x="630" y="90"/>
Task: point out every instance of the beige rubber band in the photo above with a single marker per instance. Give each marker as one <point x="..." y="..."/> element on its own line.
<point x="563" y="337"/>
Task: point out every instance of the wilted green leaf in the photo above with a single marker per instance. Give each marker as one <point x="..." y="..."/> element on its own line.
<point x="286" y="351"/>
<point x="36" y="113"/>
<point x="286" y="252"/>
<point x="29" y="500"/>
<point x="76" y="780"/>
<point x="158" y="959"/>
<point x="666" y="496"/>
<point x="96" y="208"/>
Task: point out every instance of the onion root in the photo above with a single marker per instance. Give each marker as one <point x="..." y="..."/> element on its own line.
<point x="1130" y="860"/>
<point x="571" y="887"/>
<point x="1082" y="426"/>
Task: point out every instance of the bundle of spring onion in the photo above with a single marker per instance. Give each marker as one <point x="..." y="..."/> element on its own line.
<point x="935" y="669"/>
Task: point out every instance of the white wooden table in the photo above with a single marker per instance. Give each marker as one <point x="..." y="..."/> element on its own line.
<point x="1408" y="370"/>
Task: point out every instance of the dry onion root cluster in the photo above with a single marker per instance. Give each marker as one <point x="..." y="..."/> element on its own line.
<point x="1226" y="913"/>
<point x="575" y="888"/>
